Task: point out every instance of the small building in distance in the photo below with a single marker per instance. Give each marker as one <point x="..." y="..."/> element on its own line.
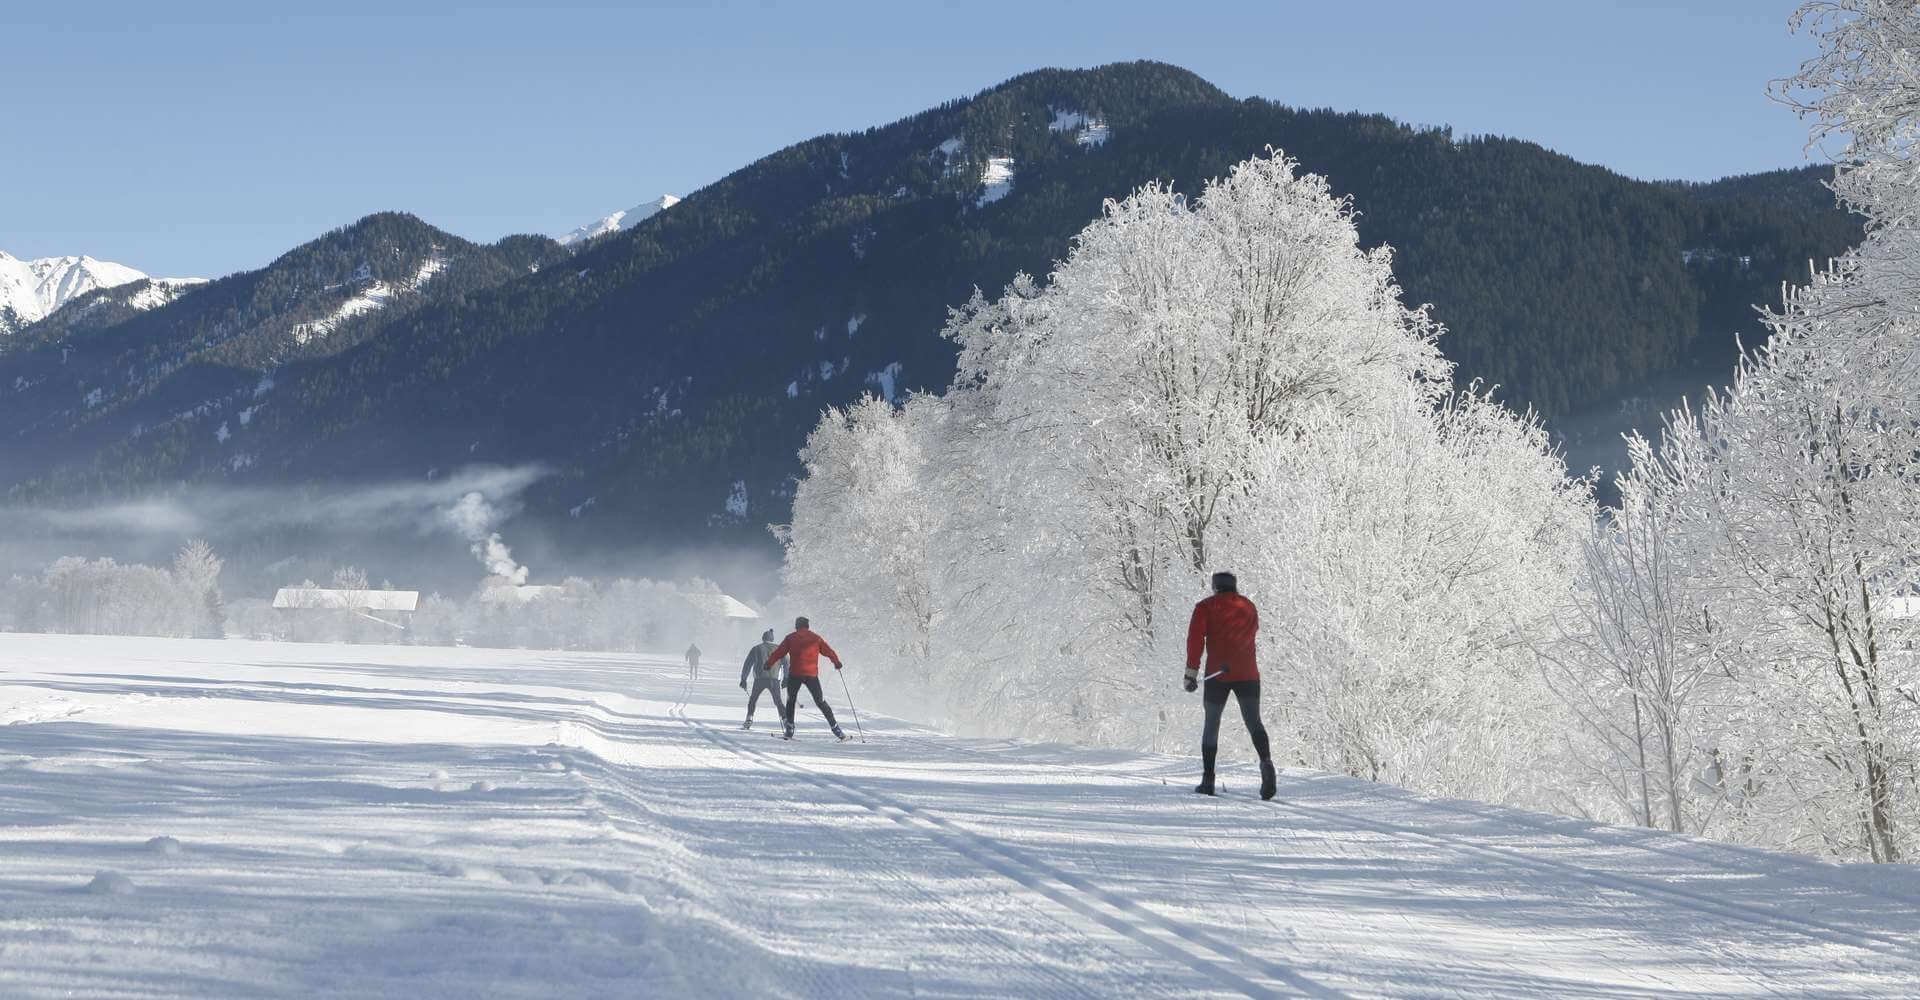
<point x="323" y="613"/>
<point x="524" y="593"/>
<point x="737" y="623"/>
<point x="730" y="608"/>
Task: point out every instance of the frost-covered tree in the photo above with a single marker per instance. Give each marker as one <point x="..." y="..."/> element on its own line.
<point x="1863" y="89"/>
<point x="1788" y="507"/>
<point x="1817" y="495"/>
<point x="1412" y="563"/>
<point x="1227" y="382"/>
<point x="1641" y="659"/>
<point x="862" y="525"/>
<point x="197" y="570"/>
<point x="102" y="597"/>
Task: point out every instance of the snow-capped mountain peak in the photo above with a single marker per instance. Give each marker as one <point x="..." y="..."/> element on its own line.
<point x="30" y="289"/>
<point x="619" y="220"/>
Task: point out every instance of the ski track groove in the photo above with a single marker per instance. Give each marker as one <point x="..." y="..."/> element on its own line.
<point x="1193" y="947"/>
<point x="983" y="933"/>
<point x="610" y="782"/>
<point x="1118" y="913"/>
<point x="1625" y="838"/>
<point x="1695" y="902"/>
<point x="1812" y="869"/>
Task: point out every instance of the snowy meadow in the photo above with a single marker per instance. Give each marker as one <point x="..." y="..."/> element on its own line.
<point x="210" y="819"/>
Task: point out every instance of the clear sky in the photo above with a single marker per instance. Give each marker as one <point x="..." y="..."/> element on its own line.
<point x="192" y="138"/>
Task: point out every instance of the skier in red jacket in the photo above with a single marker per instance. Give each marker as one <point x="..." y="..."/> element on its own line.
<point x="802" y="649"/>
<point x="1223" y="627"/>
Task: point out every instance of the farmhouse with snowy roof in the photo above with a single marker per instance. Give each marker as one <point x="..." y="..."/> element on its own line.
<point x="309" y="609"/>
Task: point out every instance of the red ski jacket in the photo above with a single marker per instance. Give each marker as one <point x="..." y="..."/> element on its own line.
<point x="804" y="646"/>
<point x="1224" y="625"/>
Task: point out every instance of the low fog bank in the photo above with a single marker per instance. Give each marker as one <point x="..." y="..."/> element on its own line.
<point x="1595" y="438"/>
<point x="485" y="572"/>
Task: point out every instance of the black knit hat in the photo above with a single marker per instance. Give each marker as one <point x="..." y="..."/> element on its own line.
<point x="1224" y="583"/>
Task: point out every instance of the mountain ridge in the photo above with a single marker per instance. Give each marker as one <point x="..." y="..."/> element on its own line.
<point x="668" y="372"/>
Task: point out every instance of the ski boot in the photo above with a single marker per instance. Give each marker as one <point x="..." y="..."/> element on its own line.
<point x="1267" y="781"/>
<point x="787" y="734"/>
<point x="1206" y="786"/>
<point x="747" y="724"/>
<point x="839" y="734"/>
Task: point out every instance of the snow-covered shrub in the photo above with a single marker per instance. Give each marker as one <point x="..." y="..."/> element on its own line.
<point x="102" y="597"/>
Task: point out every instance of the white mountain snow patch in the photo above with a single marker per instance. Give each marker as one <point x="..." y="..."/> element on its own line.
<point x="160" y="291"/>
<point x="1087" y="131"/>
<point x="996" y="180"/>
<point x="370" y="299"/>
<point x="887" y="380"/>
<point x="619" y="220"/>
<point x="375" y="296"/>
<point x="359" y="820"/>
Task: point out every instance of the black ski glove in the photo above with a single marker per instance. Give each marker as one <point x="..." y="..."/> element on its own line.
<point x="1192" y="682"/>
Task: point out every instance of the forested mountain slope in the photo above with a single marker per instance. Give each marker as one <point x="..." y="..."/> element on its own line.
<point x="668" y="373"/>
<point x="124" y="397"/>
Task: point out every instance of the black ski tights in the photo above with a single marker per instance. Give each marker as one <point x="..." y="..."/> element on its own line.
<point x="1214" y="696"/>
<point x="813" y="688"/>
<point x="773" y="695"/>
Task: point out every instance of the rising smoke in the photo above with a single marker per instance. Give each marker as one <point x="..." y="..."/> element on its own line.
<point x="474" y="518"/>
<point x="200" y="510"/>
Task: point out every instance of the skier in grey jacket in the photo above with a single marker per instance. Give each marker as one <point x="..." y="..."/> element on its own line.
<point x="764" y="679"/>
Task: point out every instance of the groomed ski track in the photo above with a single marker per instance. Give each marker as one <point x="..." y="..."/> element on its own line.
<point x="297" y="820"/>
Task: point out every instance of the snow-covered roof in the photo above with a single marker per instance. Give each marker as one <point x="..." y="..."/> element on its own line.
<point x="347" y="600"/>
<point x="728" y="607"/>
<point x="519" y="594"/>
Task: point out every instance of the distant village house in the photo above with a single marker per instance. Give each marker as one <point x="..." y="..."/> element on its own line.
<point x="305" y="611"/>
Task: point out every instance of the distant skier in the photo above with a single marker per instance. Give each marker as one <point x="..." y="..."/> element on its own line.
<point x="1224" y="626"/>
<point x="693" y="661"/>
<point x="802" y="649"/>
<point x="764" y="675"/>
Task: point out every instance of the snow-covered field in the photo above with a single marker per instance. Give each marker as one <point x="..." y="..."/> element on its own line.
<point x="216" y="819"/>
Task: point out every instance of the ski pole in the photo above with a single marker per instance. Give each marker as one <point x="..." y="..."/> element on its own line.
<point x="856" y="712"/>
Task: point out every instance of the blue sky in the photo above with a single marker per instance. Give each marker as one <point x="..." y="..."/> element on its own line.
<point x="202" y="138"/>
